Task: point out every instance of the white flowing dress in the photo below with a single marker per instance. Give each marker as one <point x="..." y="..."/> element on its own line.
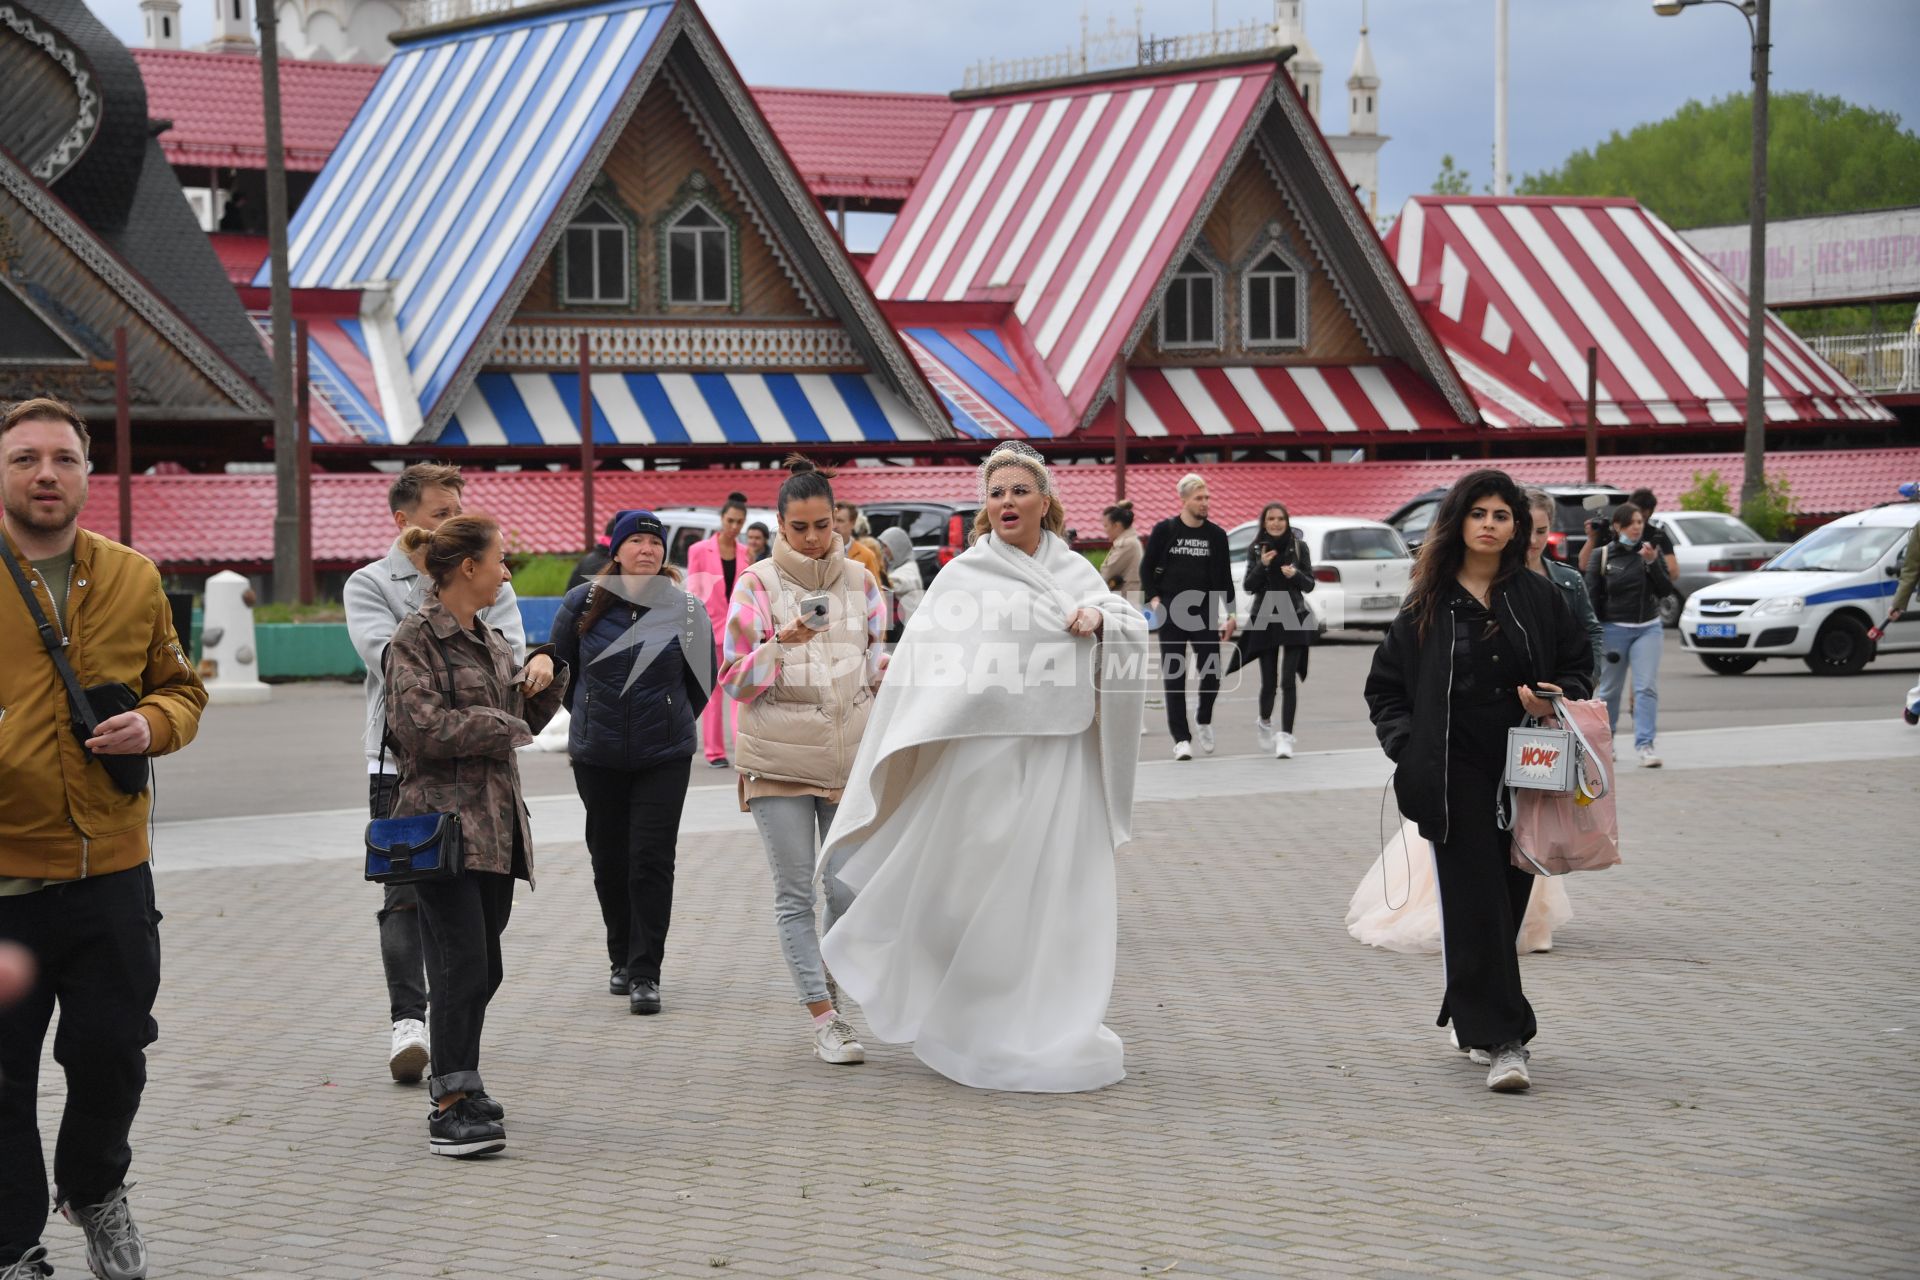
<point x="982" y="852"/>
<point x="997" y="966"/>
<point x="1397" y="906"/>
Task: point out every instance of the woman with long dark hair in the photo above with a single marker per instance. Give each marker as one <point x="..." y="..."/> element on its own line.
<point x="644" y="652"/>
<point x="1478" y="635"/>
<point x="713" y="566"/>
<point x="806" y="630"/>
<point x="1280" y="626"/>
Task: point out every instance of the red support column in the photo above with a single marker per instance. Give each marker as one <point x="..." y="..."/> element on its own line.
<point x="586" y="447"/>
<point x="303" y="458"/>
<point x="1593" y="413"/>
<point x="1119" y="428"/>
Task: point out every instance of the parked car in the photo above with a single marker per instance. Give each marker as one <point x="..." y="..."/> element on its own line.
<point x="939" y="530"/>
<point x="688" y="525"/>
<point x="1814" y="601"/>
<point x="1362" y="568"/>
<point x="1573" y="506"/>
<point x="1711" y="547"/>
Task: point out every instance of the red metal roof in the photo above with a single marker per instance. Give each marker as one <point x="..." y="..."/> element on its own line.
<point x="240" y="255"/>
<point x="1070" y="202"/>
<point x="214" y="102"/>
<point x="1518" y="288"/>
<point x="865" y="146"/>
<point x="190" y="523"/>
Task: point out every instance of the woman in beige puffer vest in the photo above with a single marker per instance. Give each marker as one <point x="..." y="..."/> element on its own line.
<point x="803" y="652"/>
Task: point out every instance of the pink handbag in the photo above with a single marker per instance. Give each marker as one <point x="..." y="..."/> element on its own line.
<point x="1576" y="830"/>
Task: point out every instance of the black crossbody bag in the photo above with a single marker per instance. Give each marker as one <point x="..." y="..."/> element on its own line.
<point x="90" y="706"/>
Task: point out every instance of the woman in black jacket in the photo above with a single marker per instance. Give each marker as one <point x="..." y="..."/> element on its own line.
<point x="1626" y="578"/>
<point x="1476" y="630"/>
<point x="643" y="649"/>
<point x="1280" y="626"/>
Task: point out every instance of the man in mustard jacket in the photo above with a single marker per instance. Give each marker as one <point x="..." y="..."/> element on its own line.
<point x="76" y="890"/>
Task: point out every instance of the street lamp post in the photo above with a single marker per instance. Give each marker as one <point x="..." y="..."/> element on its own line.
<point x="1757" y="14"/>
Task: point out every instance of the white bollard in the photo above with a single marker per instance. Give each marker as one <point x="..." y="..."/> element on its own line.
<point x="229" y="661"/>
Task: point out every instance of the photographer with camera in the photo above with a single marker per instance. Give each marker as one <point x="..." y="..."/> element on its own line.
<point x="1598" y="534"/>
<point x="805" y="633"/>
<point x="1627" y="576"/>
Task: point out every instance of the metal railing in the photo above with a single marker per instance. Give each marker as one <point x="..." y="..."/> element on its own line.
<point x="1878" y="363"/>
<point x="431" y="13"/>
<point x="1118" y="48"/>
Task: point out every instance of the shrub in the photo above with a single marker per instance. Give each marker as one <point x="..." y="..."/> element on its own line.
<point x="542" y="575"/>
<point x="1709" y="493"/>
<point x="1774" y="512"/>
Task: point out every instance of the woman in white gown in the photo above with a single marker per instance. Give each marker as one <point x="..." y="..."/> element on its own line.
<point x="991" y="789"/>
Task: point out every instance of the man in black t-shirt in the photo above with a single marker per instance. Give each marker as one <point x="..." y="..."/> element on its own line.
<point x="1187" y="577"/>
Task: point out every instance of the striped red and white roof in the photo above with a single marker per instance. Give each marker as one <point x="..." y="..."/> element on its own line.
<point x="1517" y="288"/>
<point x="1069" y="203"/>
<point x="1363" y="402"/>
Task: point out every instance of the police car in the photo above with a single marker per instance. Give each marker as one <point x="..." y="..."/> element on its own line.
<point x="1815" y="601"/>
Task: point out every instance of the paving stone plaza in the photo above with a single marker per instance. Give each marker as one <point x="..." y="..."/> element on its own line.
<point x="1725" y="1081"/>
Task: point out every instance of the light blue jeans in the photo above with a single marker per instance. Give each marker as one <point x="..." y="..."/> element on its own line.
<point x="787" y="826"/>
<point x="1638" y="648"/>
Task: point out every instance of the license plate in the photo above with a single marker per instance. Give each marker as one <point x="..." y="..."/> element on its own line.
<point x="1716" y="631"/>
<point x="1378" y="602"/>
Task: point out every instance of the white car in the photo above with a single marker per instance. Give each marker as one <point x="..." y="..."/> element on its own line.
<point x="1814" y="601"/>
<point x="688" y="525"/>
<point x="1361" y="569"/>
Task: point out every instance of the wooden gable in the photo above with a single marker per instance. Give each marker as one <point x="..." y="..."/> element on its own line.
<point x="1251" y="213"/>
<point x="661" y="162"/>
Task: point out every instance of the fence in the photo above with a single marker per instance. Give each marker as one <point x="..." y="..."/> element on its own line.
<point x="1878" y="363"/>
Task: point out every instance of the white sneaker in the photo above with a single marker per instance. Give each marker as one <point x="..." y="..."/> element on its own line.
<point x="1283" y="749"/>
<point x="1509" y="1071"/>
<point x="1263" y="734"/>
<point x="835" y="1043"/>
<point x="1478" y="1057"/>
<point x="410" y="1052"/>
<point x="1204" y="736"/>
<point x="1183" y="750"/>
<point x="1648" y="760"/>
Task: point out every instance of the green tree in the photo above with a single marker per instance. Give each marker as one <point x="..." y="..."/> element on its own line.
<point x="1824" y="155"/>
<point x="1451" y="181"/>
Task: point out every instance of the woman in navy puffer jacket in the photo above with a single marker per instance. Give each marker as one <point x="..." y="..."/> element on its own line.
<point x="644" y="651"/>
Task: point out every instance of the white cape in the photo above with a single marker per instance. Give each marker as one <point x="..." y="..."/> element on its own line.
<point x="993" y="783"/>
<point x="1397" y="906"/>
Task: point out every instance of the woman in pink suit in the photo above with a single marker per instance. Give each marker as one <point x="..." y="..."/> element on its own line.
<point x="712" y="565"/>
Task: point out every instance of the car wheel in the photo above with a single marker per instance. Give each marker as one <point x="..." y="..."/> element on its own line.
<point x="1670" y="607"/>
<point x="1841" y="649"/>
<point x="1728" y="664"/>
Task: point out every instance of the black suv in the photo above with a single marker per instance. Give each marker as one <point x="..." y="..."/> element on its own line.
<point x="939" y="531"/>
<point x="1573" y="506"/>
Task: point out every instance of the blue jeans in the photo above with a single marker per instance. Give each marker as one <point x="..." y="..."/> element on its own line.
<point x="787" y="829"/>
<point x="1638" y="648"/>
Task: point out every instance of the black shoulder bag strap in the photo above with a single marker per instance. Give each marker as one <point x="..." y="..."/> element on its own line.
<point x="386" y="733"/>
<point x="55" y="642"/>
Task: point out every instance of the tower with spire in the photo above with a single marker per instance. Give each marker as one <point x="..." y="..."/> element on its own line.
<point x="1358" y="149"/>
<point x="232" y="27"/>
<point x="163" y="23"/>
<point x="1290" y="26"/>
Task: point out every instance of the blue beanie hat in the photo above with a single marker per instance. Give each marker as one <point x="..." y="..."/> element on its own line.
<point x="628" y="523"/>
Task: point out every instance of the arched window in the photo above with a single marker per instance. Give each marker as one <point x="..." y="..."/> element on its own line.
<point x="1274" y="301"/>
<point x="699" y="259"/>
<point x="1190" y="317"/>
<point x="597" y="258"/>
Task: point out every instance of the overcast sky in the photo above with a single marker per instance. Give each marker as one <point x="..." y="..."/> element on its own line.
<point x="1580" y="68"/>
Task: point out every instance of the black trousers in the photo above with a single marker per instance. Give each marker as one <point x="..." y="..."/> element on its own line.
<point x="406" y="947"/>
<point x="1281" y="666"/>
<point x="97" y="944"/>
<point x="633" y="830"/>
<point x="466" y="915"/>
<point x="1483" y="899"/>
<point x="1175" y="644"/>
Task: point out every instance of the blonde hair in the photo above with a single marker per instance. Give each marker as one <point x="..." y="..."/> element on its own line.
<point x="458" y="540"/>
<point x="1056" y="517"/>
<point x="1189" y="482"/>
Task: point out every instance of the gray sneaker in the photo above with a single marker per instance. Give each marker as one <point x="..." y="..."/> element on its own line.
<point x="1509" y="1071"/>
<point x="115" y="1250"/>
<point x="31" y="1265"/>
<point x="835" y="1043"/>
<point x="1478" y="1057"/>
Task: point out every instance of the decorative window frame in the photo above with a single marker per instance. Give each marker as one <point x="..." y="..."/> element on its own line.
<point x="1218" y="271"/>
<point x="1274" y="240"/>
<point x="601" y="193"/>
<point x="698" y="190"/>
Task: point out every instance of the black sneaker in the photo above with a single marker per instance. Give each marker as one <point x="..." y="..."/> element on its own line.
<point x="486" y="1106"/>
<point x="645" y="997"/>
<point x="461" y="1131"/>
<point x="617" y="982"/>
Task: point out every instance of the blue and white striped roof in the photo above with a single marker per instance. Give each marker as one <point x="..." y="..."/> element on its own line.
<point x="683" y="409"/>
<point x="457" y="162"/>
